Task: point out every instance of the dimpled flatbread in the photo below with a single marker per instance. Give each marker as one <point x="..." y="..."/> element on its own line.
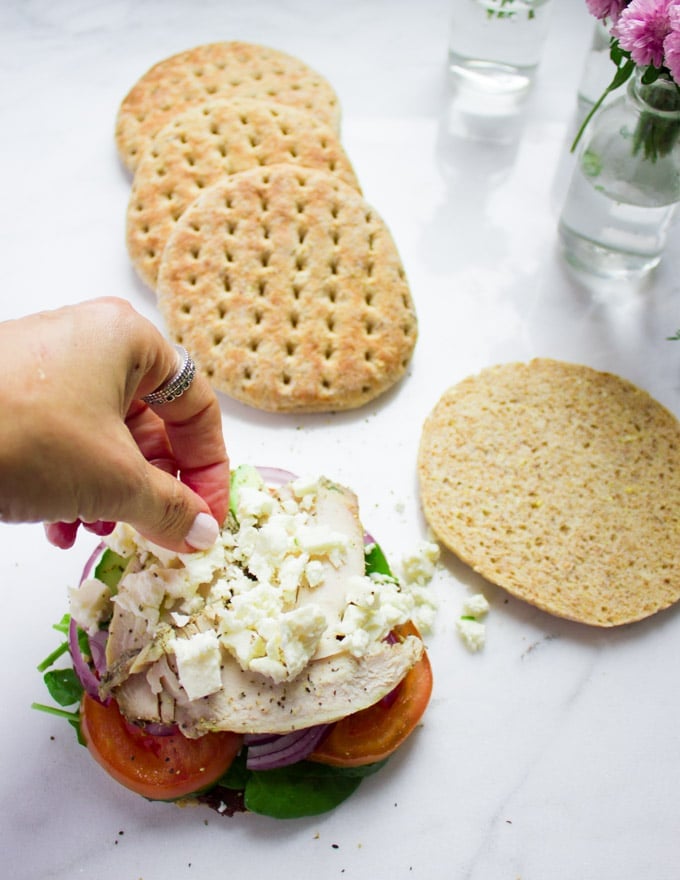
<point x="288" y="290"/>
<point x="218" y="70"/>
<point x="202" y="145"/>
<point x="560" y="484"/>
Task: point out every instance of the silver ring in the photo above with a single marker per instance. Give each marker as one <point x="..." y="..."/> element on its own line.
<point x="178" y="384"/>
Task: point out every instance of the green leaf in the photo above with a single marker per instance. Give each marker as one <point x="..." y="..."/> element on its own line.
<point x="304" y="789"/>
<point x="376" y="561"/>
<point x="64" y="686"/>
<point x="237" y="774"/>
<point x="84" y="643"/>
<point x="651" y="75"/>
<point x="591" y="163"/>
<point x="110" y="568"/>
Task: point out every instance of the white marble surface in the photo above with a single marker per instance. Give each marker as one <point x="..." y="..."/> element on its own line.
<point x="551" y="754"/>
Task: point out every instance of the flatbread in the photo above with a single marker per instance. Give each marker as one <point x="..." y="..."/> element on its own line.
<point x="561" y="484"/>
<point x="202" y="145"/>
<point x="287" y="288"/>
<point x="224" y="70"/>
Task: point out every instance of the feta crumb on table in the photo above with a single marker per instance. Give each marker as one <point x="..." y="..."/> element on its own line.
<point x="475" y="606"/>
<point x="472" y="632"/>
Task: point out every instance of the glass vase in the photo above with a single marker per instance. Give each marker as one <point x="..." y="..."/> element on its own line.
<point x="626" y="183"/>
<point x="495" y="46"/>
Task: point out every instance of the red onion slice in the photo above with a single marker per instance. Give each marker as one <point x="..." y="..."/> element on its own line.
<point x="151" y="728"/>
<point x="286" y="749"/>
<point x="276" y="476"/>
<point x="98" y="650"/>
<point x="160" y="729"/>
<point x="256" y="739"/>
<point x="97" y="642"/>
<point x="80" y="665"/>
<point x="89" y="565"/>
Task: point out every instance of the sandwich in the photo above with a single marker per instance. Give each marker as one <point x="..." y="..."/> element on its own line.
<point x="268" y="674"/>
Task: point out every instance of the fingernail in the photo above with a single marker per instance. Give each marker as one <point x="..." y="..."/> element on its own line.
<point x="203" y="532"/>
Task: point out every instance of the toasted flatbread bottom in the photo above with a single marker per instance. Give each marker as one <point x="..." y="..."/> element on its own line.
<point x="560" y="484"/>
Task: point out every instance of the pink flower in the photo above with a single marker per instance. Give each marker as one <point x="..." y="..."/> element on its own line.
<point x="603" y="9"/>
<point x="671" y="45"/>
<point x="642" y="28"/>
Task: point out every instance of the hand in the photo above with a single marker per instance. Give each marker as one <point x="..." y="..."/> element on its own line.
<point x="77" y="443"/>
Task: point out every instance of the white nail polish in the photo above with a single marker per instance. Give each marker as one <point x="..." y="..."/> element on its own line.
<point x="203" y="532"/>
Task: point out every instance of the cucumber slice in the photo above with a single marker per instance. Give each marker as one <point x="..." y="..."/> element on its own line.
<point x="243" y="475"/>
<point x="110" y="568"/>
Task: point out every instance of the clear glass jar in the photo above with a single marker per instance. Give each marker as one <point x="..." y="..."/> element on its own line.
<point x="496" y="45"/>
<point x="626" y="183"/>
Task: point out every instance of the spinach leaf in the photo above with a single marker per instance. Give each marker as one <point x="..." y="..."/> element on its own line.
<point x="376" y="561"/>
<point x="64" y="686"/>
<point x="237" y="774"/>
<point x="304" y="789"/>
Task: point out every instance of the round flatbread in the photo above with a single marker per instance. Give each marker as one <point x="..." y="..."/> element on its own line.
<point x="202" y="145"/>
<point x="218" y="70"/>
<point x="561" y="484"/>
<point x="288" y="290"/>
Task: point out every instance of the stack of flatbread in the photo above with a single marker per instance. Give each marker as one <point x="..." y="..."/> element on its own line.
<point x="247" y="220"/>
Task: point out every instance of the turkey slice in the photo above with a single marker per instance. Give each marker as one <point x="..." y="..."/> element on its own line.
<point x="326" y="691"/>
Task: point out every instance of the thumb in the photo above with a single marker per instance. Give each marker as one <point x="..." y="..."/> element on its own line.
<point x="167" y="512"/>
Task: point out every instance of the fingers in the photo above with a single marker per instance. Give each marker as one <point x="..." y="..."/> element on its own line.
<point x="82" y="447"/>
<point x="62" y="534"/>
<point x="170" y="514"/>
<point x="192" y="428"/>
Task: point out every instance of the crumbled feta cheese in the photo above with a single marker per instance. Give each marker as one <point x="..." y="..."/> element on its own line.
<point x="472" y="632"/>
<point x="424" y="609"/>
<point x="417" y="570"/>
<point x="142" y="596"/>
<point x="290" y="642"/>
<point x="254" y="503"/>
<point x="475" y="606"/>
<point x="372" y="612"/>
<point x="284" y="586"/>
<point x="419" y="566"/>
<point x="319" y="540"/>
<point x="314" y="573"/>
<point x="303" y="486"/>
<point x="198" y="663"/>
<point x="90" y="604"/>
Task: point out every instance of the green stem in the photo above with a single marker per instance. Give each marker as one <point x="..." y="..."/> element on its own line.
<point x="622" y="74"/>
<point x="55" y="655"/>
<point x="52" y="710"/>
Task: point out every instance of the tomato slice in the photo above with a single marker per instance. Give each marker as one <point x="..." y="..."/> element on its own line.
<point x="375" y="733"/>
<point x="157" y="767"/>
